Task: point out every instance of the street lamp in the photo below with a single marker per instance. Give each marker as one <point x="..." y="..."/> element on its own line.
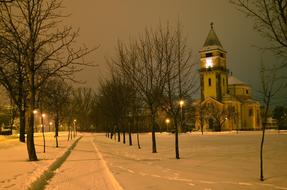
<point x="181" y="103"/>
<point x="75" y="127"/>
<point x="167" y="121"/>
<point x="35" y="113"/>
<point x="50" y="125"/>
<point x="43" y="130"/>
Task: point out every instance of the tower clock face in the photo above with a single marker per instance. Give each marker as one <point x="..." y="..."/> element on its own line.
<point x="209" y="63"/>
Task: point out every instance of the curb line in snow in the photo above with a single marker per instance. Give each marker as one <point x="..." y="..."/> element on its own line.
<point x="40" y="182"/>
<point x="114" y="181"/>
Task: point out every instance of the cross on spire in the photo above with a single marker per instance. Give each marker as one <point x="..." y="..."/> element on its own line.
<point x="211" y="25"/>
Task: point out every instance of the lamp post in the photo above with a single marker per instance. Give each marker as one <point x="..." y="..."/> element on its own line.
<point x="50" y="125"/>
<point x="181" y="103"/>
<point x="75" y="127"/>
<point x="34" y="123"/>
<point x="167" y="121"/>
<point x="43" y="130"/>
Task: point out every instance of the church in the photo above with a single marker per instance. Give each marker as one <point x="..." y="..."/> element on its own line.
<point x="226" y="102"/>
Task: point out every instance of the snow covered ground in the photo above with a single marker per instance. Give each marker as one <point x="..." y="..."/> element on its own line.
<point x="16" y="172"/>
<point x="85" y="168"/>
<point x="208" y="162"/>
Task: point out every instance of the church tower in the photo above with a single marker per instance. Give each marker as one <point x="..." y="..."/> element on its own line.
<point x="213" y="68"/>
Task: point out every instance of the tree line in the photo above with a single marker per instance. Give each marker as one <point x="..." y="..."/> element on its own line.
<point x="35" y="47"/>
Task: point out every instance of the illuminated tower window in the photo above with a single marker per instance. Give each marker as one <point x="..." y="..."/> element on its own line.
<point x="209" y="63"/>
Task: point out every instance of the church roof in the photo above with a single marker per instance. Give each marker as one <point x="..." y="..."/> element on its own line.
<point x="212" y="40"/>
<point x="232" y="80"/>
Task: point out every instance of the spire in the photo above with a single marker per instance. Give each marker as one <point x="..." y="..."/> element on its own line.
<point x="212" y="39"/>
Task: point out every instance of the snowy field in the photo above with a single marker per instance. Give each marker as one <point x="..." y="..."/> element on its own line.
<point x="213" y="161"/>
<point x="209" y="162"/>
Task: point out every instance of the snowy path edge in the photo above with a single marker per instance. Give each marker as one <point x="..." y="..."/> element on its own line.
<point x="47" y="173"/>
<point x="116" y="185"/>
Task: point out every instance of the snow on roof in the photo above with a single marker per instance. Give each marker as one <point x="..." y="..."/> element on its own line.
<point x="233" y="80"/>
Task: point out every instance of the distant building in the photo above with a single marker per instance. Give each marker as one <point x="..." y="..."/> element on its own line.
<point x="226" y="103"/>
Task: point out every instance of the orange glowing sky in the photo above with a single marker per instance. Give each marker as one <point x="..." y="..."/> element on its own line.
<point x="103" y="22"/>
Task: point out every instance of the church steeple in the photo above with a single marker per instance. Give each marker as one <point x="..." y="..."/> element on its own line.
<point x="213" y="67"/>
<point x="212" y="41"/>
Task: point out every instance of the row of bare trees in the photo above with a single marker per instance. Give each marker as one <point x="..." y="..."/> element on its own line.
<point x="35" y="47"/>
<point x="150" y="74"/>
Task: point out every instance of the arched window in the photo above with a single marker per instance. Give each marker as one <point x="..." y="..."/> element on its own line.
<point x="209" y="82"/>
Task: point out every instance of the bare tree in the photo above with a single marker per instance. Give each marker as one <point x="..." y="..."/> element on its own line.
<point x="269" y="88"/>
<point x="12" y="73"/>
<point x="82" y="101"/>
<point x="115" y="103"/>
<point x="148" y="71"/>
<point x="56" y="95"/>
<point x="180" y="79"/>
<point x="31" y="27"/>
<point x="270" y="20"/>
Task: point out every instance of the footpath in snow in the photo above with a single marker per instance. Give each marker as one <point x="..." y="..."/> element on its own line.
<point x="84" y="169"/>
<point x="16" y="172"/>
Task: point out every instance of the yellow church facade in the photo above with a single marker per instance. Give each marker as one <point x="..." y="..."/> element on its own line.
<point x="226" y="103"/>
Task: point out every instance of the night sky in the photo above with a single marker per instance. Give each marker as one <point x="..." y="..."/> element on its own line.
<point x="103" y="22"/>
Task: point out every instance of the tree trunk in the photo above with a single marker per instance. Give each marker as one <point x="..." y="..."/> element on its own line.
<point x="124" y="134"/>
<point x="153" y="132"/>
<point x="261" y="153"/>
<point x="176" y="139"/>
<point x="138" y="140"/>
<point x="43" y="132"/>
<point x="130" y="135"/>
<point x="22" y="109"/>
<point x="57" y="129"/>
<point x="263" y="136"/>
<point x="138" y="137"/>
<point x="119" y="134"/>
<point x="30" y="124"/>
<point x="112" y="132"/>
<point x="69" y="132"/>
<point x="22" y="125"/>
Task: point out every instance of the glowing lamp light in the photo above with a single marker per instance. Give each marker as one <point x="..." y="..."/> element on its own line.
<point x="181" y="102"/>
<point x="209" y="63"/>
<point x="167" y="120"/>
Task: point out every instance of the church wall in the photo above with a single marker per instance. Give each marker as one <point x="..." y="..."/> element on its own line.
<point x="251" y="116"/>
<point x="239" y="90"/>
<point x="209" y="90"/>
